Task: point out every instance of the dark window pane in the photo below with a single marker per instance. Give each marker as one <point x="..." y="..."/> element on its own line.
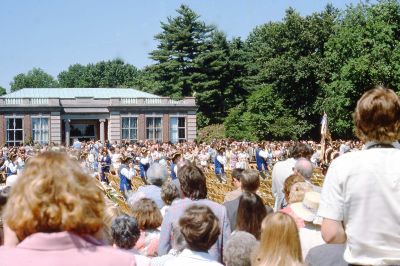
<point x="18" y="135"/>
<point x="10" y="135"/>
<point x="18" y="123"/>
<point x="181" y="133"/>
<point x="157" y="122"/>
<point x="133" y="134"/>
<point x="125" y="134"/>
<point x="149" y="122"/>
<point x="125" y="122"/>
<point x="10" y="123"/>
<point x="133" y="122"/>
<point x="181" y="122"/>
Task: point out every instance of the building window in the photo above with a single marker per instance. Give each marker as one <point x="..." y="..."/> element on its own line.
<point x="15" y="132"/>
<point x="177" y="129"/>
<point x="154" y="128"/>
<point x="129" y="129"/>
<point x="40" y="130"/>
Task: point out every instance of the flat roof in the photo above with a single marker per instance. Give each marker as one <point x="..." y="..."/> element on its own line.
<point x="101" y="93"/>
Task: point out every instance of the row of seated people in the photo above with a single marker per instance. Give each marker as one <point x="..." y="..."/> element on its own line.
<point x="56" y="215"/>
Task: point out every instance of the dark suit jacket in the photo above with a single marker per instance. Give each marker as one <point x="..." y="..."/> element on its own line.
<point x="231" y="211"/>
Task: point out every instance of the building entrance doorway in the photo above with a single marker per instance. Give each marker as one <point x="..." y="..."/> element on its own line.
<point x="84" y="130"/>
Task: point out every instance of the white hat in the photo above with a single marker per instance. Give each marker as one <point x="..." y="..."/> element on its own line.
<point x="11" y="180"/>
<point x="307" y="209"/>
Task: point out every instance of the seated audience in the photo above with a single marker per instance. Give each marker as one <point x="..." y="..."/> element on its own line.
<point x="280" y="243"/>
<point x="194" y="187"/>
<point x="239" y="248"/>
<point x="149" y="219"/>
<point x="200" y="228"/>
<point x="55" y="210"/>
<point x="251" y="212"/>
<point x="125" y="233"/>
<point x="169" y="193"/>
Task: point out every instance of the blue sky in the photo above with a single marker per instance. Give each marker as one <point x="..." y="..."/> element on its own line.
<point x="53" y="34"/>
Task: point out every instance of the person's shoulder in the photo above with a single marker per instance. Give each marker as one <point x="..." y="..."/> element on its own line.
<point x="232" y="203"/>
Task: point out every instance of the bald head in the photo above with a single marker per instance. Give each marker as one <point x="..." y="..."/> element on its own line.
<point x="304" y="167"/>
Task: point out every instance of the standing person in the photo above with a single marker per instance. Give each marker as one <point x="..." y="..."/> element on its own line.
<point x="219" y="165"/>
<point x="105" y="163"/>
<point x="126" y="172"/>
<point x="144" y="164"/>
<point x="366" y="183"/>
<point x="194" y="187"/>
<point x="283" y="169"/>
<point x="236" y="175"/>
<point x="261" y="162"/>
<point x="173" y="168"/>
<point x="280" y="243"/>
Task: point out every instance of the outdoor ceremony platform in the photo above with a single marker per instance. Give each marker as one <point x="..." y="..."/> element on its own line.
<point x="60" y="115"/>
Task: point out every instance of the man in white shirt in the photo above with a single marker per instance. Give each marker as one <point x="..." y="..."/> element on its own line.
<point x="283" y="169"/>
<point x="361" y="193"/>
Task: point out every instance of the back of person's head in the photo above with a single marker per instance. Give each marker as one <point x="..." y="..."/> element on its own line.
<point x="298" y="190"/>
<point x="237" y="173"/>
<point x="111" y="211"/>
<point x="280" y="243"/>
<point x="200" y="227"/>
<point x="301" y="150"/>
<point x="304" y="167"/>
<point x="289" y="182"/>
<point x="157" y="174"/>
<point x="251" y="212"/>
<point x="250" y="180"/>
<point x="147" y="214"/>
<point x="377" y="115"/>
<point x="125" y="232"/>
<point x="193" y="182"/>
<point x="54" y="195"/>
<point x="169" y="192"/>
<point x="239" y="248"/>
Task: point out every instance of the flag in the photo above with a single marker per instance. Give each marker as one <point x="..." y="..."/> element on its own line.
<point x="324" y="124"/>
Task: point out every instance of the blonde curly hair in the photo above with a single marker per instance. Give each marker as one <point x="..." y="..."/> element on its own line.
<point x="53" y="194"/>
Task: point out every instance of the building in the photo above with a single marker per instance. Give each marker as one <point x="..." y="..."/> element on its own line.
<point x="59" y="115"/>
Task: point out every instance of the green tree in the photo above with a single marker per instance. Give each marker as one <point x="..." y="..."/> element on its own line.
<point x="2" y="91"/>
<point x="35" y="78"/>
<point x="288" y="56"/>
<point x="182" y="40"/>
<point x="266" y="117"/>
<point x="363" y="51"/>
<point x="104" y="74"/>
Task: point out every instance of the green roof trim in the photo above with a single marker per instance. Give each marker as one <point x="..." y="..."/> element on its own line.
<point x="68" y="93"/>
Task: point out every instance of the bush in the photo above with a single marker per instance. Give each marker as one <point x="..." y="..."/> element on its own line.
<point x="210" y="133"/>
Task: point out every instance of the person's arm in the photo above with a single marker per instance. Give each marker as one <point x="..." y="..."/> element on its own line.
<point x="333" y="232"/>
<point x="331" y="206"/>
<point x="263" y="154"/>
<point x="13" y="167"/>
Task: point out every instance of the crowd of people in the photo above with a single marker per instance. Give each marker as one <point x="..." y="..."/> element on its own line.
<point x="54" y="212"/>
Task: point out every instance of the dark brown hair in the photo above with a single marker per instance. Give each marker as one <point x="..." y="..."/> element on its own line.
<point x="200" y="227"/>
<point x="250" y="180"/>
<point x="377" y="115"/>
<point x="193" y="182"/>
<point x="147" y="214"/>
<point x="251" y="212"/>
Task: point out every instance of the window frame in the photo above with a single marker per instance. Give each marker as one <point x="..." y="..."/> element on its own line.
<point x="40" y="130"/>
<point x="14" y="117"/>
<point x="171" y="130"/>
<point x="154" y="128"/>
<point x="129" y="128"/>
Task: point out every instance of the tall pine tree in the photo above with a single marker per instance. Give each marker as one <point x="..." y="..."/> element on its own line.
<point x="182" y="40"/>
